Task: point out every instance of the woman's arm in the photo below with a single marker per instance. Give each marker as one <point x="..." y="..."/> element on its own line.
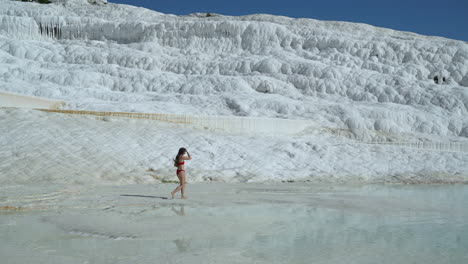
<point x="188" y="156"/>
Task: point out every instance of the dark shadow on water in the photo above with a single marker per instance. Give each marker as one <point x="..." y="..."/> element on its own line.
<point x="144" y="196"/>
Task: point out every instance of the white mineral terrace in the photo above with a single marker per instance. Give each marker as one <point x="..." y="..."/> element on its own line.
<point x="256" y="98"/>
<point x="311" y="141"/>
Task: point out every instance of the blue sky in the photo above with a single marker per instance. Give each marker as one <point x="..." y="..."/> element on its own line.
<point x="446" y="18"/>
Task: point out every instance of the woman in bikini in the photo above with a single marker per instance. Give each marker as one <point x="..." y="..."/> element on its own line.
<point x="179" y="162"/>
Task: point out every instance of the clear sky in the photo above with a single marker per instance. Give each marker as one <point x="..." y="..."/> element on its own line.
<point x="446" y="18"/>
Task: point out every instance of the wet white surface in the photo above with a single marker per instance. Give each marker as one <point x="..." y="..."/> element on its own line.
<point x="235" y="223"/>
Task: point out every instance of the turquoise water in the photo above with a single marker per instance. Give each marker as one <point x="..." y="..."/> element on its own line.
<point x="370" y="224"/>
<point x="363" y="224"/>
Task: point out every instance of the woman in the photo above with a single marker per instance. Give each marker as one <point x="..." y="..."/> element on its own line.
<point x="179" y="162"/>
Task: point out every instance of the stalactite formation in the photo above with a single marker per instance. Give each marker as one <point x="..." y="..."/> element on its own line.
<point x="50" y="30"/>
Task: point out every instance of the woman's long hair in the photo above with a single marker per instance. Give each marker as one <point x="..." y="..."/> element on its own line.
<point x="181" y="153"/>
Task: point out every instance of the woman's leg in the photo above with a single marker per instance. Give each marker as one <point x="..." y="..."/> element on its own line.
<point x="181" y="186"/>
<point x="182" y="182"/>
<point x="177" y="188"/>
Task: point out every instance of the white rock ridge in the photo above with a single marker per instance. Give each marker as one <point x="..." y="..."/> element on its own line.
<point x="133" y="59"/>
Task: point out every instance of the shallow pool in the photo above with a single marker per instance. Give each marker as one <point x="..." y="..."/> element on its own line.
<point x="282" y="223"/>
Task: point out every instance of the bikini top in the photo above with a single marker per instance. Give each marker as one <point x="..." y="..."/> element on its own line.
<point x="182" y="163"/>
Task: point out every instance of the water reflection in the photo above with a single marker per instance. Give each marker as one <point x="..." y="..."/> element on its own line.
<point x="180" y="211"/>
<point x="422" y="225"/>
<point x="183" y="245"/>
